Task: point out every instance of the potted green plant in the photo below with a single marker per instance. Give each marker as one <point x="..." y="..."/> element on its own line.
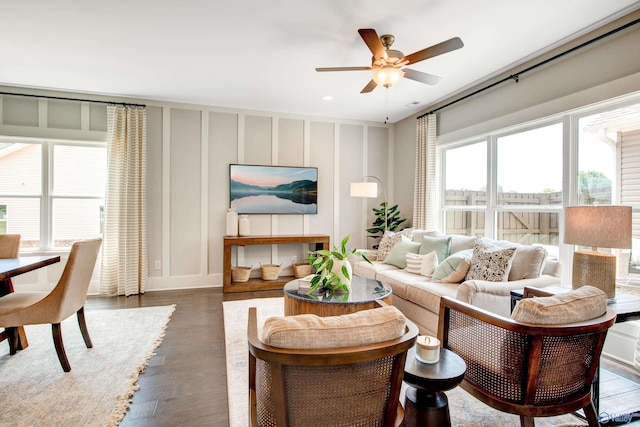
<point x="333" y="269"/>
<point x="392" y="218"/>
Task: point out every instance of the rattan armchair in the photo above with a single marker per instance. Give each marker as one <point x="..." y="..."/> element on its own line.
<point x="327" y="387"/>
<point x="524" y="369"/>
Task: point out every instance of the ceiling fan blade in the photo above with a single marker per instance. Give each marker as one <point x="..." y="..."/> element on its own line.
<point x="343" y="69"/>
<point x="369" y="87"/>
<point x="435" y="50"/>
<point x="372" y="40"/>
<point x="421" y="77"/>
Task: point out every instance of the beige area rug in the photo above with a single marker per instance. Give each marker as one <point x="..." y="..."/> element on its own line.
<point x="465" y="410"/>
<point x="34" y="390"/>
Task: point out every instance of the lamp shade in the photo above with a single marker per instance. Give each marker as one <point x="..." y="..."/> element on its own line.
<point x="598" y="226"/>
<point x="364" y="189"/>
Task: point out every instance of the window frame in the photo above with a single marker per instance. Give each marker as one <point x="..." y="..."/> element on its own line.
<point x="47" y="195"/>
<point x="570" y="120"/>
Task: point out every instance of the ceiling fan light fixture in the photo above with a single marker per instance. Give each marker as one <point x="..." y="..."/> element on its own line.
<point x="387" y="76"/>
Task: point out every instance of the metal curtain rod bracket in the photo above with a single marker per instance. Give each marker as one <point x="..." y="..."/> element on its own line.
<point x="516" y="76"/>
<point x="62" y="98"/>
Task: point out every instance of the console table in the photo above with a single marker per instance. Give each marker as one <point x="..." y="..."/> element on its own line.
<point x="320" y="241"/>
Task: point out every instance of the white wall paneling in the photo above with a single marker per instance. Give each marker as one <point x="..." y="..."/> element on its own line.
<point x="189" y="149"/>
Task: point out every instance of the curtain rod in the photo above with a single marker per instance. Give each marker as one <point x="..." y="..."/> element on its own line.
<point x="516" y="76"/>
<point x="62" y="98"/>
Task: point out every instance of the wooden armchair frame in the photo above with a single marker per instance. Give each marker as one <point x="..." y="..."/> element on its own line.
<point x="282" y="363"/>
<point x="524" y="369"/>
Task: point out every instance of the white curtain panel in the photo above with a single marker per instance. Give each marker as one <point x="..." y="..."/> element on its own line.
<point x="424" y="193"/>
<point x="124" y="249"/>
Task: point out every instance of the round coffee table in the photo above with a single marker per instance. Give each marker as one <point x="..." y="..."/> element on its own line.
<point x="425" y="401"/>
<point x="363" y="296"/>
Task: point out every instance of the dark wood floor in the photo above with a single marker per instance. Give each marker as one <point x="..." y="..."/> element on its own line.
<point x="185" y="384"/>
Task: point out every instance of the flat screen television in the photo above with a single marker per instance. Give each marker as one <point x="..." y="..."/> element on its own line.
<point x="255" y="189"/>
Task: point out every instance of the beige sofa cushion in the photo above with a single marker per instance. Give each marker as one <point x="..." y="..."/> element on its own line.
<point x="461" y="242"/>
<point x="582" y="304"/>
<point x="399" y="280"/>
<point x="428" y="294"/>
<point x="419" y="234"/>
<point x="370" y="271"/>
<point x="528" y="261"/>
<point x="308" y="331"/>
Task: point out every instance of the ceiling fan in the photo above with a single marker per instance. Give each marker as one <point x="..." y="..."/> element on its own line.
<point x="388" y="65"/>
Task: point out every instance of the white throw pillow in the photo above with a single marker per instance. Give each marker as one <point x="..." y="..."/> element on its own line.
<point x="422" y="264"/>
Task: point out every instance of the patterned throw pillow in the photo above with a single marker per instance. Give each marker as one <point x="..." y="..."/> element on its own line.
<point x="389" y="240"/>
<point x="490" y="262"/>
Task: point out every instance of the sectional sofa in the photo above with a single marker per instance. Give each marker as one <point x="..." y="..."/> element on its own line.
<point x="479" y="271"/>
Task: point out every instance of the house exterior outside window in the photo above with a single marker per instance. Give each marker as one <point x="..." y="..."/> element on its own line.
<point x="518" y="180"/>
<point x="53" y="190"/>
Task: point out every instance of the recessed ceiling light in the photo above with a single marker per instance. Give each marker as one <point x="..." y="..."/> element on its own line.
<point x="327" y="97"/>
<point x="413" y="104"/>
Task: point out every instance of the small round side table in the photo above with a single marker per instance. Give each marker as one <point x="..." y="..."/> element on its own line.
<point x="425" y="401"/>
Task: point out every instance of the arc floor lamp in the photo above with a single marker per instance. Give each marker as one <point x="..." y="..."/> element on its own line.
<point x="370" y="190"/>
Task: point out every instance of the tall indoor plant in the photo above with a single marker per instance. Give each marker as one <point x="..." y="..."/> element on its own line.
<point x="392" y="217"/>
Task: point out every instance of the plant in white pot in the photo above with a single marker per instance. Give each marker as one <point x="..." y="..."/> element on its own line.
<point x="333" y="269"/>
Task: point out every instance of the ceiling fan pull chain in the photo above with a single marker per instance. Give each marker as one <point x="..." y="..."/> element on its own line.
<point x="386" y="104"/>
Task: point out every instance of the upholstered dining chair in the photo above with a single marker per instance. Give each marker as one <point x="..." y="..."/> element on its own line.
<point x="9" y="248"/>
<point x="9" y="245"/>
<point x="541" y="362"/>
<point x="310" y="371"/>
<point x="66" y="298"/>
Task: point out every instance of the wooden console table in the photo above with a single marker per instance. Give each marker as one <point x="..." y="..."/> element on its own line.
<point x="321" y="241"/>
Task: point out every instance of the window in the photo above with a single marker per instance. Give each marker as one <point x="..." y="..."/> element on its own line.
<point x="52" y="190"/>
<point x="522" y="199"/>
<point x="3" y="219"/>
<point x="465" y="194"/>
<point x="528" y="178"/>
<point x="609" y="165"/>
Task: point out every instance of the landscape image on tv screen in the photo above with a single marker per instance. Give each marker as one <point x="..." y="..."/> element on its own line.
<point x="273" y="189"/>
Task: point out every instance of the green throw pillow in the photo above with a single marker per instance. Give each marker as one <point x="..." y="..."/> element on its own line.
<point x="454" y="268"/>
<point x="398" y="255"/>
<point x="440" y="244"/>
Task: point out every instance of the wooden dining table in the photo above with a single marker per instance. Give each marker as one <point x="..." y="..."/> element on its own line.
<point x="11" y="267"/>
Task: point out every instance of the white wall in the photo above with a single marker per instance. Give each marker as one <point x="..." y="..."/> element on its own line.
<point x="189" y="151"/>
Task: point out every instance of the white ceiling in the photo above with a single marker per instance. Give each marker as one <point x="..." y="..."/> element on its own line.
<point x="261" y="55"/>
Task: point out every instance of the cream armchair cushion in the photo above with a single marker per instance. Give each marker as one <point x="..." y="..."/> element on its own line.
<point x="308" y="331"/>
